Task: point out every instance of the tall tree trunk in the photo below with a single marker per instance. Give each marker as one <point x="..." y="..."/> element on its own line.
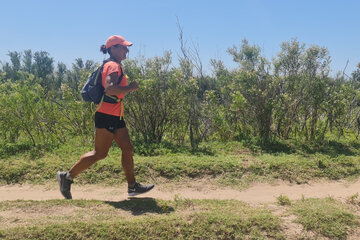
<point x="313" y="123"/>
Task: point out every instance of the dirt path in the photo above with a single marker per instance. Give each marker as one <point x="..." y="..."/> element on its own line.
<point x="257" y="194"/>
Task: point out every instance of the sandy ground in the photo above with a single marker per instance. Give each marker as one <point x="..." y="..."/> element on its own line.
<point x="257" y="194"/>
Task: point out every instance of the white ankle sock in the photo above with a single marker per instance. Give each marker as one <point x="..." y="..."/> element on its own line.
<point x="68" y="177"/>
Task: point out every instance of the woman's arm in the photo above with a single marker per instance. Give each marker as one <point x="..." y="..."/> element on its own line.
<point x="111" y="87"/>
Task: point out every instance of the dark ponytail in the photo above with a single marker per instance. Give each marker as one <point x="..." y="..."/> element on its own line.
<point x="104" y="50"/>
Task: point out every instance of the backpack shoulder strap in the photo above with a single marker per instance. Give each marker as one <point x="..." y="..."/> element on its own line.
<point x="121" y="76"/>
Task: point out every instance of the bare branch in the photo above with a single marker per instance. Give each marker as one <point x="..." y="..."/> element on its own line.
<point x="347" y="62"/>
<point x="181" y="39"/>
<point x="195" y="56"/>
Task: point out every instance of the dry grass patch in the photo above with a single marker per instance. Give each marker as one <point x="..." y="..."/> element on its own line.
<point x="325" y="217"/>
<point x="145" y="218"/>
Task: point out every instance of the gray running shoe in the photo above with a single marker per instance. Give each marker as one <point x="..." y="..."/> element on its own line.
<point x="139" y="189"/>
<point x="64" y="184"/>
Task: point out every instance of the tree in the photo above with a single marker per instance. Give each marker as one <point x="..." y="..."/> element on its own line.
<point x="27" y="61"/>
<point x="12" y="70"/>
<point x="287" y="67"/>
<point x="256" y="86"/>
<point x="154" y="106"/>
<point x="76" y="77"/>
<point x="43" y="68"/>
<point x="60" y="76"/>
<point x="193" y="101"/>
<point x="316" y="68"/>
<point x="247" y="56"/>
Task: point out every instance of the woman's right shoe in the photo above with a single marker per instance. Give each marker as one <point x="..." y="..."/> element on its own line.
<point x="64" y="184"/>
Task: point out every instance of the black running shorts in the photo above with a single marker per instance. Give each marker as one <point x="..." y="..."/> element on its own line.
<point x="109" y="122"/>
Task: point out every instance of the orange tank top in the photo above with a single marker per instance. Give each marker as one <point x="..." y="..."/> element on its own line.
<point x="114" y="109"/>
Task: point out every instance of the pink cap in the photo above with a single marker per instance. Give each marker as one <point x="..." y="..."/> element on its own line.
<point x="117" y="39"/>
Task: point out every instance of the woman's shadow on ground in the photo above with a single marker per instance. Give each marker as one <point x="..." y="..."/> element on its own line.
<point x="138" y="206"/>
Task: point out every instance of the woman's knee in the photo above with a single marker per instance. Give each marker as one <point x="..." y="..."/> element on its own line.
<point x="100" y="155"/>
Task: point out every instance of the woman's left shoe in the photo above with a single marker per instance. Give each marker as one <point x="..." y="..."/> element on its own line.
<point x="139" y="189"/>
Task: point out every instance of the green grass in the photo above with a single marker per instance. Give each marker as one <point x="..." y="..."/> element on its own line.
<point x="235" y="164"/>
<point x="229" y="164"/>
<point x="327" y="217"/>
<point x="283" y="200"/>
<point x="147" y="219"/>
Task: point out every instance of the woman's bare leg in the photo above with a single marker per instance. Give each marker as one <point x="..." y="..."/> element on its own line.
<point x="103" y="140"/>
<point x="122" y="139"/>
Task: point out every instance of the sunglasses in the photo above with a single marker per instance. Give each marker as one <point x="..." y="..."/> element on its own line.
<point x="121" y="46"/>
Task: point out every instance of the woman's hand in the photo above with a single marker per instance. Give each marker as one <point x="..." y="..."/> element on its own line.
<point x="112" y="88"/>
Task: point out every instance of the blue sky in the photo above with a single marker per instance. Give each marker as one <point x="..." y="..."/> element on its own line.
<point x="69" y="29"/>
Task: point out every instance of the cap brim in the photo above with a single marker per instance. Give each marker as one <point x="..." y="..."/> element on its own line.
<point x="126" y="43"/>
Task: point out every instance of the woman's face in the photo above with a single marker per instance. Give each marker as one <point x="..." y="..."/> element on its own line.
<point x="119" y="52"/>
